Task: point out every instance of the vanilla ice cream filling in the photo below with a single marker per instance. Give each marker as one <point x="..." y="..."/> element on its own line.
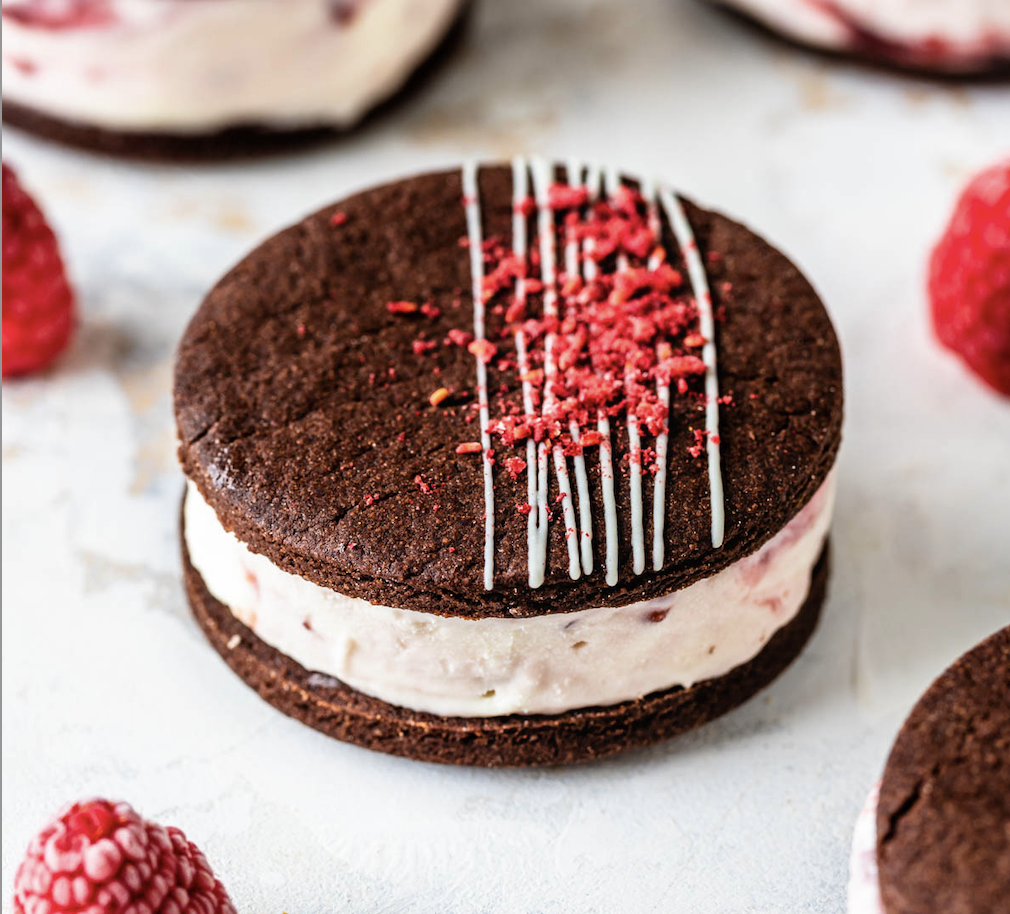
<point x="539" y="665"/>
<point x="185" y="66"/>
<point x="950" y="32"/>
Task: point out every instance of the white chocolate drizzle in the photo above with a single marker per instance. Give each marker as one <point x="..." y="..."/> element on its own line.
<point x="703" y="297"/>
<point x="471" y="202"/>
<point x="542" y="179"/>
<point x="572" y="269"/>
<point x="537" y="518"/>
<point x="612" y="182"/>
<point x="603" y="421"/>
<point x="663" y="394"/>
<point x="579" y="262"/>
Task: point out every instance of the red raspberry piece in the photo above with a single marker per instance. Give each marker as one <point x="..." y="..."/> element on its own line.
<point x="100" y="857"/>
<point x="564" y="196"/>
<point x="38" y="306"/>
<point x="483" y="349"/>
<point x="70" y="14"/>
<point x="969" y="278"/>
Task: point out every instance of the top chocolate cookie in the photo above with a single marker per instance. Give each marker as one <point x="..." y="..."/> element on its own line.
<point x="639" y="393"/>
<point x="943" y="820"/>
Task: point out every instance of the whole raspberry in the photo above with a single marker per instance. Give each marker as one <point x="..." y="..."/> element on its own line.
<point x="101" y="857"/>
<point x="969" y="278"/>
<point x="38" y="306"/>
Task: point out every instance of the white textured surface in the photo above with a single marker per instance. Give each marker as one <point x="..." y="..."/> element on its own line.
<point x="108" y="686"/>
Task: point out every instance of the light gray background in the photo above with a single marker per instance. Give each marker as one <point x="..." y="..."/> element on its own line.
<point x="109" y="687"/>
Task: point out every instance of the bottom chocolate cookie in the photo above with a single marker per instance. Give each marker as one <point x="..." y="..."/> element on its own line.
<point x="219" y="144"/>
<point x="496" y="742"/>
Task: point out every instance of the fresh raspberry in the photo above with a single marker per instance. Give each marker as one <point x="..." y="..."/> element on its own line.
<point x="100" y="857"/>
<point x="38" y="306"/>
<point x="969" y="278"/>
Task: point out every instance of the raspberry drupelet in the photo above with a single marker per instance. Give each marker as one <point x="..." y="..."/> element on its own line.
<point x="101" y="857"/>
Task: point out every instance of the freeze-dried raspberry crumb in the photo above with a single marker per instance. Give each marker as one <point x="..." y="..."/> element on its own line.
<point x="459" y="337"/>
<point x="565" y="196"/>
<point x="527" y="206"/>
<point x="483" y="349"/>
<point x="515" y="466"/>
<point x="696" y="449"/>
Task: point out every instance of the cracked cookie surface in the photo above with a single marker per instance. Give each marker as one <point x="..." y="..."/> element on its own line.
<point x="943" y="820"/>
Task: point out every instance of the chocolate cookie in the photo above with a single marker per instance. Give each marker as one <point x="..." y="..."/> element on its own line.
<point x="220" y="144"/>
<point x="943" y="819"/>
<point x="504" y="442"/>
<point x="153" y="117"/>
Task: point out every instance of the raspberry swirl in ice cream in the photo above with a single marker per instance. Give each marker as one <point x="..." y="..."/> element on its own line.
<point x="955" y="36"/>
<point x="184" y="67"/>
